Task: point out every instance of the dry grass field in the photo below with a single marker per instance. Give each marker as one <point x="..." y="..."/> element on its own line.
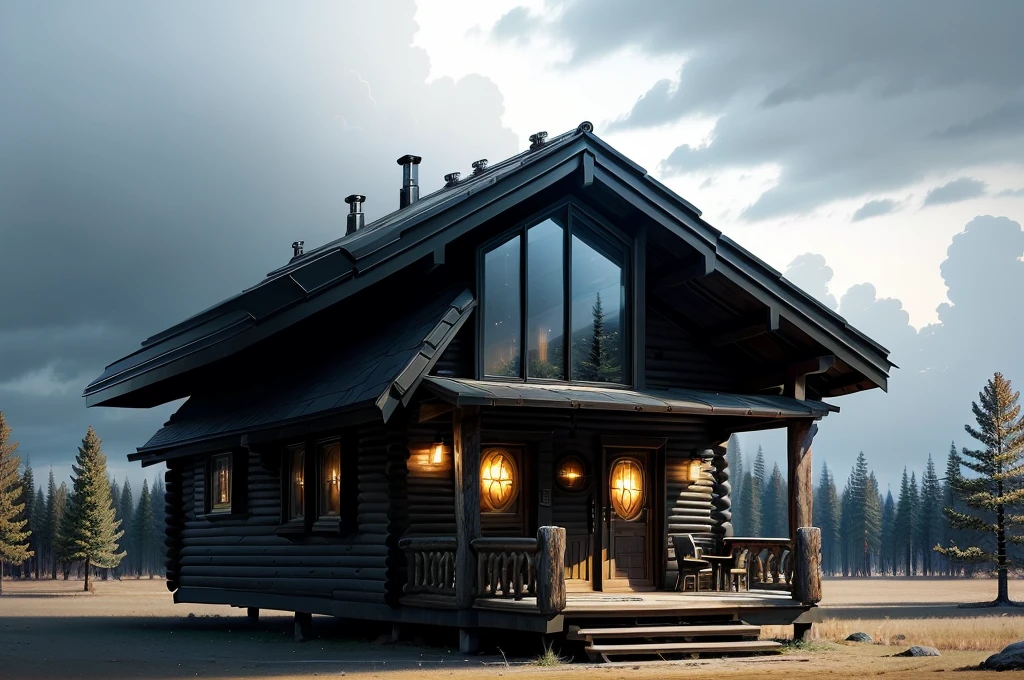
<point x="50" y="629"/>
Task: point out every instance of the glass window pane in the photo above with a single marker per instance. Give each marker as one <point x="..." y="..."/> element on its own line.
<point x="545" y="300"/>
<point x="297" y="496"/>
<point x="221" y="486"/>
<point x="330" y="492"/>
<point x="502" y="310"/>
<point x="598" y="314"/>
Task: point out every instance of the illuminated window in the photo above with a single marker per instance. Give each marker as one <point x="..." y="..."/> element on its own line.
<point x="330" y="477"/>
<point x="571" y="475"/>
<point x="499" y="480"/>
<point x="220" y="483"/>
<point x="626" y="488"/>
<point x="296" y="482"/>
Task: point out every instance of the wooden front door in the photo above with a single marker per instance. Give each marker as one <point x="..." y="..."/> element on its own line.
<point x="627" y="519"/>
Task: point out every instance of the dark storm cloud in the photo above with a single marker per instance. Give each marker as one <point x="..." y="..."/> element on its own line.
<point x="156" y="158"/>
<point x="874" y="208"/>
<point x="960" y="189"/>
<point x="845" y="98"/>
<point x="942" y="367"/>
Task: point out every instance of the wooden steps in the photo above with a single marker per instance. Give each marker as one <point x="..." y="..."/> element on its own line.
<point x="727" y="637"/>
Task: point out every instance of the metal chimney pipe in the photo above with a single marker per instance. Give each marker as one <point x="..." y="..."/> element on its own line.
<point x="297" y="248"/>
<point x="355" y="213"/>
<point x="410" y="191"/>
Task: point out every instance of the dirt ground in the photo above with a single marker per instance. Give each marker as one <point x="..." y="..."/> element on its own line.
<point x="131" y="629"/>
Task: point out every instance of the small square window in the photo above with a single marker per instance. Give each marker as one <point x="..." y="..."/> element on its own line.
<point x="220" y="483"/>
<point x="296" y="482"/>
<point x="330" y="480"/>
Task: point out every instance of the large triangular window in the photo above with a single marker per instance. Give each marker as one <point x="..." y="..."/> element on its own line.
<point x="557" y="272"/>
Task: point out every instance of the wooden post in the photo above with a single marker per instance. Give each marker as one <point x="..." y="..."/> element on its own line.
<point x="551" y="570"/>
<point x="466" y="439"/>
<point x="303" y="628"/>
<point x="722" y="499"/>
<point x="807" y="574"/>
<point x="253" y="613"/>
<point x="800" y="434"/>
<point x="469" y="641"/>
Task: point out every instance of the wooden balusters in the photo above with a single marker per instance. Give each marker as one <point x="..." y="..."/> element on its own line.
<point x="431" y="564"/>
<point x="506" y="567"/>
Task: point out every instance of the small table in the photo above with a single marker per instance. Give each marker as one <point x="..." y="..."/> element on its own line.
<point x="700" y="563"/>
<point x="719" y="569"/>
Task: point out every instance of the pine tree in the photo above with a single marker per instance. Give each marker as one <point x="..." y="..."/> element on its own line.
<point x="735" y="456"/>
<point x="157" y="540"/>
<point x="759" y="476"/>
<point x="872" y="523"/>
<point x="915" y="522"/>
<point x="93" y="529"/>
<point x="753" y="515"/>
<point x="999" y="484"/>
<point x="50" y="524"/>
<point x="776" y="505"/>
<point x="929" y="526"/>
<point x="904" y="526"/>
<point x="950" y="535"/>
<point x="887" y="551"/>
<point x="129" y="565"/>
<point x="143" y="528"/>
<point x="38" y="528"/>
<point x="28" y="495"/>
<point x="61" y="540"/>
<point x="858" y="525"/>
<point x="13" y="535"/>
<point x="826" y="518"/>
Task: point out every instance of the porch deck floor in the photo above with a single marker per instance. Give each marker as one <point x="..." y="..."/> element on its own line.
<point x="638" y="603"/>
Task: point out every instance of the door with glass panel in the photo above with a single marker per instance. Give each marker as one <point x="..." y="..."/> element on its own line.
<point x="627" y="521"/>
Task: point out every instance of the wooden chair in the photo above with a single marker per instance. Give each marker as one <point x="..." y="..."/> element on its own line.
<point x="686" y="547"/>
<point x="739" y="574"/>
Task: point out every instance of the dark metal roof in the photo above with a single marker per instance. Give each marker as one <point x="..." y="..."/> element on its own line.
<point x="323" y="276"/>
<point x="383" y="368"/>
<point x="462" y="392"/>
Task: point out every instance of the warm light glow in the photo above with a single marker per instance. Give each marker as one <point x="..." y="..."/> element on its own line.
<point x="437" y="454"/>
<point x="220" y="490"/>
<point x="694" y="470"/>
<point x="626" y="486"/>
<point x="570" y="475"/>
<point x="499" y="480"/>
<point x="297" y="498"/>
<point x="330" y="495"/>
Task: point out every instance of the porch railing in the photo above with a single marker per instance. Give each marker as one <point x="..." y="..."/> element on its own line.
<point x="506" y="567"/>
<point x="431" y="564"/>
<point x="770" y="562"/>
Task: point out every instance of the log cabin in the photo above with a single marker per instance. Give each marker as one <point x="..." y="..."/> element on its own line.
<point x="500" y="406"/>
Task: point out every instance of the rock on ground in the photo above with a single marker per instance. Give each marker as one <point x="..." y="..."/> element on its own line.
<point x="918" y="650"/>
<point x="859" y="637"/>
<point x="1010" y="658"/>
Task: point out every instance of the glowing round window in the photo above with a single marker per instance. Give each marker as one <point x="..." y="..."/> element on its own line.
<point x="626" y="488"/>
<point x="499" y="480"/>
<point x="571" y="475"/>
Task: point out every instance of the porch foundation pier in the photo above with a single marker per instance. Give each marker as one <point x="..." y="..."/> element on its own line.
<point x="254" y="614"/>
<point x="466" y="439"/>
<point x="303" y="626"/>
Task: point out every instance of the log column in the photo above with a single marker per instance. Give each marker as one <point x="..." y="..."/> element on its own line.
<point x="551" y="570"/>
<point x="799" y="435"/>
<point x="466" y="459"/>
<point x="722" y="500"/>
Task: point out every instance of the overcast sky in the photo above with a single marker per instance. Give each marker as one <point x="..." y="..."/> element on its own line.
<point x="155" y="159"/>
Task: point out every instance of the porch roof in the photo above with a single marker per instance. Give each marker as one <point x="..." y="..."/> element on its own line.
<point x="464" y="392"/>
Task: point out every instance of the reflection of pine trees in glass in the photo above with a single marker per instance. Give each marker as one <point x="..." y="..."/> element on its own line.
<point x="596" y="359"/>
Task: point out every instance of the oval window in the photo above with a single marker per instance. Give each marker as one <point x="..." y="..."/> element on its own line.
<point x="626" y="488"/>
<point x="499" y="480"/>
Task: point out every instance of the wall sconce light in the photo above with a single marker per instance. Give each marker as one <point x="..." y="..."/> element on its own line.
<point x="692" y="470"/>
<point x="571" y="475"/>
<point x="436" y="455"/>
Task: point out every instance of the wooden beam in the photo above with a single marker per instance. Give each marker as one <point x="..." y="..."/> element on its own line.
<point x="432" y="409"/>
<point x="466" y="438"/>
<point x="799" y="435"/>
<point x="588" y="169"/>
<point x="747" y="327"/>
<point x="792" y="375"/>
<point x="684" y="272"/>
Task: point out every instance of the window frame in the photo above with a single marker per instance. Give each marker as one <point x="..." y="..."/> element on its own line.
<point x="238" y="472"/>
<point x="577" y="219"/>
<point x="348" y="492"/>
<point x="291" y="524"/>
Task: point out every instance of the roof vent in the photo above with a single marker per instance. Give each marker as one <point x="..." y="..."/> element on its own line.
<point x="297" y="248"/>
<point x="451" y="179"/>
<point x="355" y="213"/>
<point x="479" y="166"/>
<point x="410" y="191"/>
<point x="537" y="139"/>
